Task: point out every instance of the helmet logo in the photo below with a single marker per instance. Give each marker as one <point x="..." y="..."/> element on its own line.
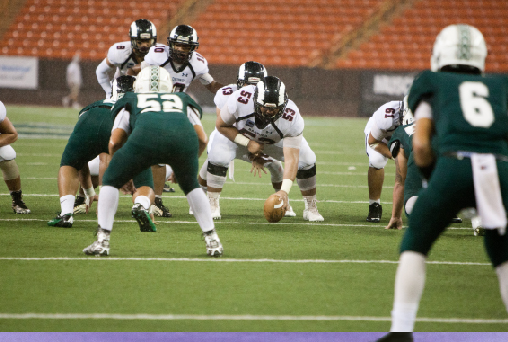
<point x="464" y="48"/>
<point x="154" y="78"/>
<point x="145" y="36"/>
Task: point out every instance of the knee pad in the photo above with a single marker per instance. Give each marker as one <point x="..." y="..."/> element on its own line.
<point x="306" y="178"/>
<point x="7" y="153"/>
<point x="377" y="160"/>
<point x="276" y="171"/>
<point x="204" y="168"/>
<point x="169" y="171"/>
<point x="216" y="176"/>
<point x="9" y="169"/>
<point x="408" y="206"/>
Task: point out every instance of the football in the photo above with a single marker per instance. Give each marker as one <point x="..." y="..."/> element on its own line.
<point x="273" y="209"/>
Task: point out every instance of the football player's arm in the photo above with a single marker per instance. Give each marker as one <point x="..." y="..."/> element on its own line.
<point x="134" y="70"/>
<point x="86" y="183"/>
<point x="120" y="133"/>
<point x="224" y="125"/>
<point x="103" y="70"/>
<point x="377" y="144"/>
<point x="8" y="133"/>
<point x="291" y="151"/>
<point x="398" y="191"/>
<point x="193" y="115"/>
<point x="422" y="148"/>
<point x="209" y="83"/>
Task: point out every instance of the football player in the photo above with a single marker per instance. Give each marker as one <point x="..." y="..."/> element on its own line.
<point x="89" y="139"/>
<point x="184" y="64"/>
<point x="161" y="127"/>
<point x="249" y="73"/>
<point x="466" y="112"/>
<point x="377" y="133"/>
<point x="261" y="119"/>
<point x="8" y="165"/>
<point x="121" y="56"/>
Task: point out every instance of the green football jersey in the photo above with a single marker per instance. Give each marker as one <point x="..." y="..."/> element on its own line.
<point x="106" y="104"/>
<point x="469" y="111"/>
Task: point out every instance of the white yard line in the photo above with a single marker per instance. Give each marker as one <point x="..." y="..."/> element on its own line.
<point x="175" y="317"/>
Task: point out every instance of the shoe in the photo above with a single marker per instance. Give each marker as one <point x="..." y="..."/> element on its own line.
<point x="18" y="206"/>
<point x="215" y="207"/>
<point x="64" y="221"/>
<point x="479" y="231"/>
<point x="312" y="215"/>
<point x="160" y="209"/>
<point x="213" y="245"/>
<point x="80" y="205"/>
<point x="375" y="212"/>
<point x="290" y="212"/>
<point x="190" y="211"/>
<point x="397" y="337"/>
<point x="167" y="188"/>
<point x="143" y="217"/>
<point x="456" y="220"/>
<point x="101" y="246"/>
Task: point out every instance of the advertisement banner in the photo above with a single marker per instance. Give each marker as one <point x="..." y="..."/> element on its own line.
<point x="19" y="72"/>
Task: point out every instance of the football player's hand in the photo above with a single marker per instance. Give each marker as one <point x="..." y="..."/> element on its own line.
<point x="284" y="196"/>
<point x="395" y="223"/>
<point x="258" y="166"/>
<point x="172" y="178"/>
<point x="89" y="201"/>
<point x="255" y="147"/>
<point x="128" y="188"/>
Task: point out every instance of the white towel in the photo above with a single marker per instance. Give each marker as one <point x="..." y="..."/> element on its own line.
<point x="487" y="190"/>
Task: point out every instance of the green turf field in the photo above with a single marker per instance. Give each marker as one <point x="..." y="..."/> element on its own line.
<point x="291" y="276"/>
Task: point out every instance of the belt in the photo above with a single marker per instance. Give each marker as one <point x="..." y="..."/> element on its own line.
<point x="462" y="154"/>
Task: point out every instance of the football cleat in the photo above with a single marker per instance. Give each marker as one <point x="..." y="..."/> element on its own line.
<point x="80" y="205"/>
<point x="213" y="245"/>
<point x="290" y="212"/>
<point x="64" y="221"/>
<point x="167" y="188"/>
<point x="190" y="211"/>
<point x="397" y="337"/>
<point x="375" y="212"/>
<point x="456" y="220"/>
<point x="18" y="206"/>
<point x="160" y="209"/>
<point x="479" y="231"/>
<point x="312" y="215"/>
<point x="101" y="246"/>
<point x="142" y="216"/>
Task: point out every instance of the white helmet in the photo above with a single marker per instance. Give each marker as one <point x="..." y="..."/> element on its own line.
<point x="459" y="45"/>
<point x="153" y="79"/>
<point x="408" y="117"/>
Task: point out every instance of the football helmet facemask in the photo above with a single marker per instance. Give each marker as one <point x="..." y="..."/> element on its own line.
<point x="186" y="36"/>
<point x="407" y="117"/>
<point x="121" y="85"/>
<point x="142" y="30"/>
<point x="270" y="100"/>
<point x="153" y="79"/>
<point x="459" y="46"/>
<point x="250" y="73"/>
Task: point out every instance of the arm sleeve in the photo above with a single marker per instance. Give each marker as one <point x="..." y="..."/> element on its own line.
<point x="423" y="110"/>
<point x="193" y="116"/>
<point x="206" y="78"/>
<point x="292" y="142"/>
<point x="122" y="120"/>
<point x="376" y="132"/>
<point x="103" y="77"/>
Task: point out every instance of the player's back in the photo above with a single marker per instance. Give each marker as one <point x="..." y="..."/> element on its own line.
<point x="469" y="110"/>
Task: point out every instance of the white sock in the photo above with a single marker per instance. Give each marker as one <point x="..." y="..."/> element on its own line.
<point x="378" y="201"/>
<point x="144" y="201"/>
<point x="310" y="202"/>
<point x="106" y="207"/>
<point x="201" y="209"/>
<point x="409" y="283"/>
<point x="502" y="275"/>
<point x="67" y="204"/>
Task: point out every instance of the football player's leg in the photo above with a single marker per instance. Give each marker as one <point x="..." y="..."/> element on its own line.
<point x="12" y="179"/>
<point x="306" y="178"/>
<point x="142" y="198"/>
<point x="159" y="180"/>
<point x="220" y="153"/>
<point x="376" y="176"/>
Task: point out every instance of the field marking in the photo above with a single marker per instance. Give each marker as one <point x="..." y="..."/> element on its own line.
<point x="274" y="261"/>
<point x="175" y="317"/>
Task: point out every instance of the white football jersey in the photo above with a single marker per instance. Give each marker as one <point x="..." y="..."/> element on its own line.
<point x="222" y="95"/>
<point x="120" y="54"/>
<point x="241" y="107"/>
<point x="3" y="112"/>
<point x="385" y="120"/>
<point x="181" y="75"/>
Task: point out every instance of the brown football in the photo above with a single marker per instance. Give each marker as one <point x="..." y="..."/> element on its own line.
<point x="273" y="209"/>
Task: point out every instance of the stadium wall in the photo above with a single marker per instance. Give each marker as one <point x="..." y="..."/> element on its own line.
<point x="317" y="92"/>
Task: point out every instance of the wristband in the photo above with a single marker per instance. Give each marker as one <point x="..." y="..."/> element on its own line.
<point x="241" y="139"/>
<point x="89" y="192"/>
<point x="286" y="185"/>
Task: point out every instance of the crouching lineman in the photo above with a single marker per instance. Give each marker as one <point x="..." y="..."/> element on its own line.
<point x="249" y="73"/>
<point x="8" y="165"/>
<point x="163" y="128"/>
<point x="261" y="119"/>
<point x="89" y="138"/>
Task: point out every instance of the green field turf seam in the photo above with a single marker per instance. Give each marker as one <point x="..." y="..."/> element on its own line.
<point x="282" y="261"/>
<point x="173" y="317"/>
